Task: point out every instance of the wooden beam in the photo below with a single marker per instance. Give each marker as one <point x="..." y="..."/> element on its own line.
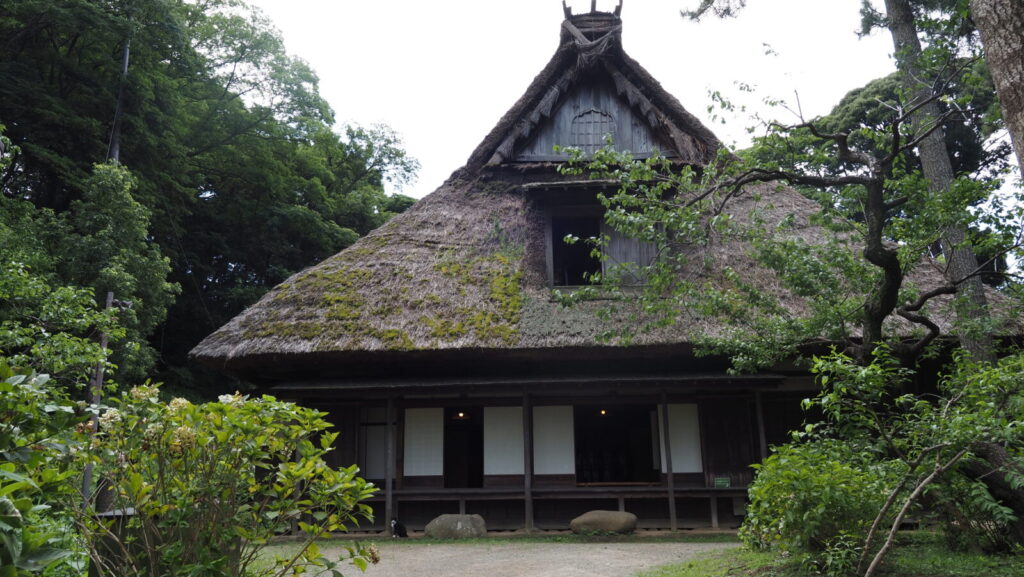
<point x="704" y="462"/>
<point x="389" y="488"/>
<point x="714" y="512"/>
<point x="669" y="478"/>
<point x="761" y="436"/>
<point x="528" y="460"/>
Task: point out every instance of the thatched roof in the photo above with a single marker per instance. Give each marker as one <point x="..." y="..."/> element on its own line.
<point x="465" y="268"/>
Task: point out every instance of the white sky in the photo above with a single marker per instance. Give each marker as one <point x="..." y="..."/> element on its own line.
<point x="443" y="72"/>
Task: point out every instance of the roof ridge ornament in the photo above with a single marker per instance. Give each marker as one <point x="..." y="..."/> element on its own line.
<point x="588" y="47"/>
<point x="593" y="9"/>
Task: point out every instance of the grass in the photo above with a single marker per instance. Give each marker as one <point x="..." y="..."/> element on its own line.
<point x="917" y="555"/>
<point x="929" y="556"/>
<point x="736" y="562"/>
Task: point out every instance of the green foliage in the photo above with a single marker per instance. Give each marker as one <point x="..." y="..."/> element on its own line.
<point x="861" y="164"/>
<point x="233" y="158"/>
<point x="685" y="215"/>
<point x="51" y="329"/>
<point x="923" y="553"/>
<point x="35" y="419"/>
<point x="211" y="484"/>
<point x="814" y="500"/>
<point x="859" y="473"/>
<point x="920" y="553"/>
<point x="978" y="521"/>
<point x="975" y="403"/>
<point x="108" y="247"/>
<point x="102" y="242"/>
<point x="720" y="8"/>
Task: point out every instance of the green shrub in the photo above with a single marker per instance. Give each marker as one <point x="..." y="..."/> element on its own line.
<point x="816" y="500"/>
<point x="34" y="416"/>
<point x="209" y="486"/>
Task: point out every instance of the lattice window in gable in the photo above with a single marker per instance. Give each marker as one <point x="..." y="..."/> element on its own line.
<point x="591" y="128"/>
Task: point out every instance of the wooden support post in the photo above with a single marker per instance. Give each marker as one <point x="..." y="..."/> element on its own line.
<point x="714" y="512"/>
<point x="528" y="460"/>
<point x="462" y="505"/>
<point x="389" y="482"/>
<point x="761" y="436"/>
<point x="673" y="522"/>
<point x="622" y="504"/>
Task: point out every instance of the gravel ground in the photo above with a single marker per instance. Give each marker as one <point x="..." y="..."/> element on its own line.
<point x="531" y="559"/>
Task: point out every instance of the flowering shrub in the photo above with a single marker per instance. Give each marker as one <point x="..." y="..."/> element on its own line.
<point x="201" y="489"/>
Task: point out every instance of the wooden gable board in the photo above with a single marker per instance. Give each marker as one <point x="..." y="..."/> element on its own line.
<point x="589" y="112"/>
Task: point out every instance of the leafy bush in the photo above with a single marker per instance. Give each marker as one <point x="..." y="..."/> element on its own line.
<point x="50" y="328"/>
<point x="207" y="486"/>
<point x="33" y="418"/>
<point x="852" y="480"/>
<point x="814" y="499"/>
<point x="973" y="519"/>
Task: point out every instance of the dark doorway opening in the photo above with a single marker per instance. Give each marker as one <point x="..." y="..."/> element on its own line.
<point x="573" y="263"/>
<point x="463" y="448"/>
<point x="615" y="444"/>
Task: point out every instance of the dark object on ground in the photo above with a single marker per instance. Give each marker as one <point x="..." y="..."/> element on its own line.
<point x="398" y="529"/>
<point x="456" y="527"/>
<point x="604" y="522"/>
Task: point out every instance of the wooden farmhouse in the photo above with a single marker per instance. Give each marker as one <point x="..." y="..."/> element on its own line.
<point x="457" y="381"/>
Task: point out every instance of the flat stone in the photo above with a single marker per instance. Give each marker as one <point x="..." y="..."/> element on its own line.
<point x="604" y="522"/>
<point x="456" y="527"/>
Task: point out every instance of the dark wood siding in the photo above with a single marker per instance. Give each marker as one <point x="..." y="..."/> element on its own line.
<point x="581" y="120"/>
<point x="729" y="440"/>
<point x="628" y="255"/>
<point x="782" y="415"/>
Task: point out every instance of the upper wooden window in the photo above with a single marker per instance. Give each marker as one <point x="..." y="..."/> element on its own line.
<point x="591" y="129"/>
<point x="573" y="264"/>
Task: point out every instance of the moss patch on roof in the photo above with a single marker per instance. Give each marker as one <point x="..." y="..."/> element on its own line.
<point x="498" y="320"/>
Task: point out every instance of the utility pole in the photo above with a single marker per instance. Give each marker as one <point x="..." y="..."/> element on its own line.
<point x="95" y="396"/>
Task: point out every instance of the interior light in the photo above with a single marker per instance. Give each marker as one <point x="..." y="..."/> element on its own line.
<point x="461" y="415"/>
<point x="604" y="412"/>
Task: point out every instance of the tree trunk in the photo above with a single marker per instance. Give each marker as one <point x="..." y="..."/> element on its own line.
<point x="1001" y="23"/>
<point x="938" y="171"/>
<point x="114" y="150"/>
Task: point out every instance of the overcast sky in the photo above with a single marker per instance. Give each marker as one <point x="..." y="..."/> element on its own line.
<point x="443" y="72"/>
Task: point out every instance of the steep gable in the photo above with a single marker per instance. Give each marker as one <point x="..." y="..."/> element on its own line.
<point x="591" y="88"/>
<point x="587" y="116"/>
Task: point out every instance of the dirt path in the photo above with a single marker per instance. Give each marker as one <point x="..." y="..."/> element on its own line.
<point x="531" y="559"/>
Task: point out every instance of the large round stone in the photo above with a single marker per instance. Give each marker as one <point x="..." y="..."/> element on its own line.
<point x="604" y="522"/>
<point x="456" y="527"/>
